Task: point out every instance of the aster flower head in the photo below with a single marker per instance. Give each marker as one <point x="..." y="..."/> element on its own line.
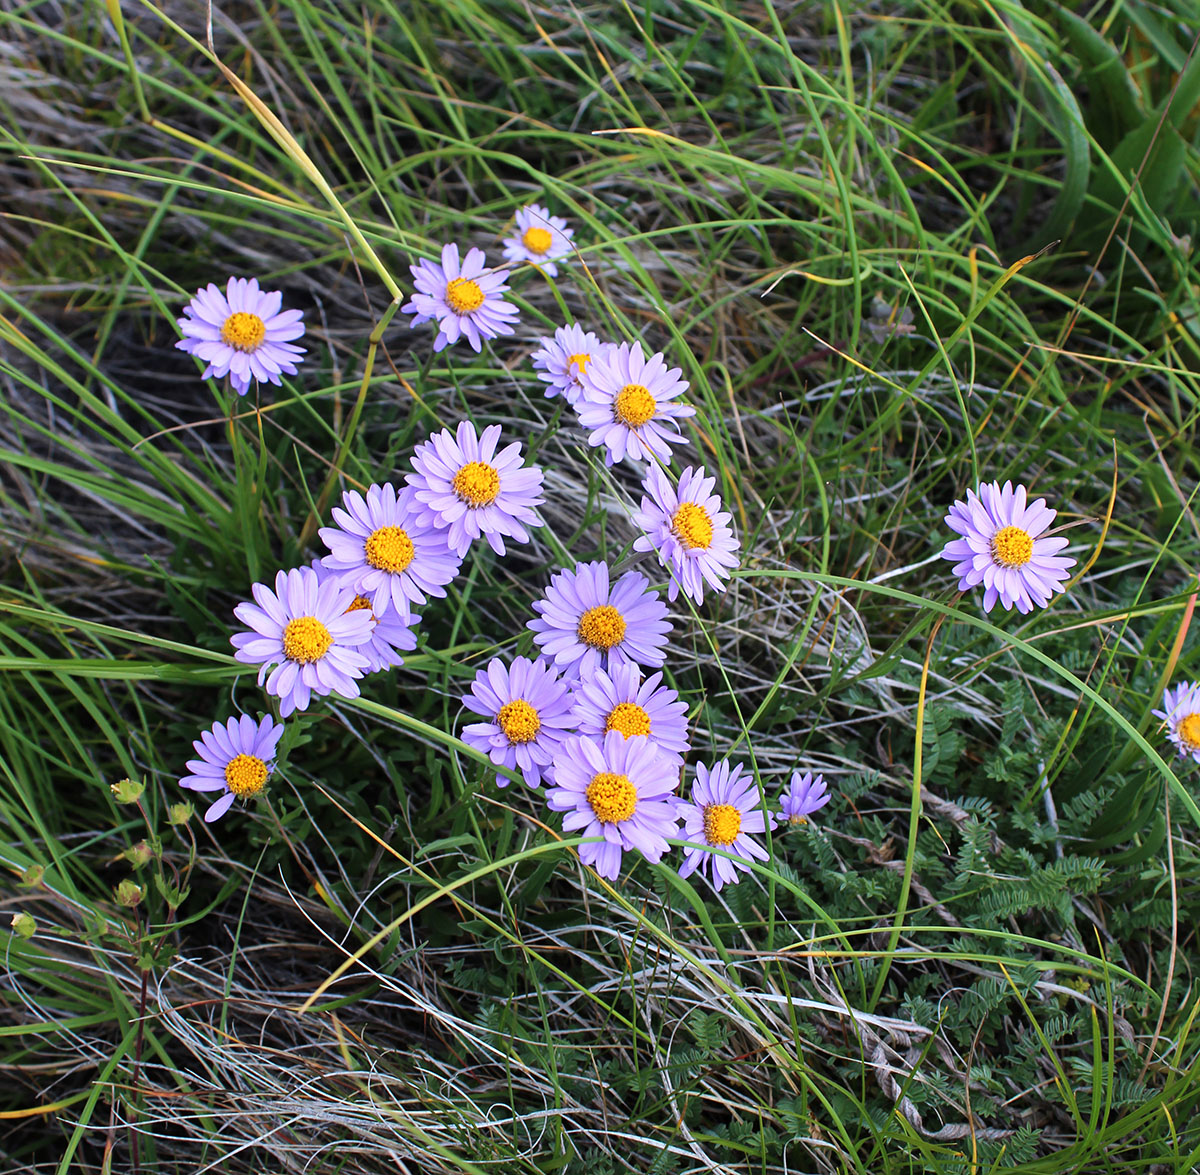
<point x="688" y="529"/>
<point x="241" y="333"/>
<point x="381" y="550"/>
<point x="620" y="789"/>
<point x="804" y="795"/>
<point x="1001" y="547"/>
<point x="722" y="813"/>
<point x="391" y="634"/>
<point x="540" y="239"/>
<point x="562" y="360"/>
<point x="308" y="631"/>
<point x="466" y="299"/>
<point x="527" y="713"/>
<point x="628" y="402"/>
<point x="235" y="758"/>
<point x="1181" y="713"/>
<point x="621" y="701"/>
<point x="468" y="489"/>
<point x="583" y="624"/>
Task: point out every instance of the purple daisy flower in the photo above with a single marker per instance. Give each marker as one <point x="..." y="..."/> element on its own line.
<point x="241" y="333"/>
<point x="1002" y="550"/>
<point x="620" y="789"/>
<point x="308" y="631"/>
<point x="804" y="795"/>
<point x="627" y="403"/>
<point x="540" y="239"/>
<point x="528" y="713"/>
<point x="381" y="550"/>
<point x="562" y="360"/>
<point x="465" y="299"/>
<point x="469" y="489"/>
<point x="236" y="757"/>
<point x="582" y="625"/>
<point x="723" y="810"/>
<point x="390" y="635"/>
<point x="635" y="708"/>
<point x="688" y="529"/>
<point x="1181" y="713"/>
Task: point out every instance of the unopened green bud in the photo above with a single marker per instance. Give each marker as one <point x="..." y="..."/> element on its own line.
<point x="139" y="854"/>
<point x="33" y="876"/>
<point x="180" y="813"/>
<point x="129" y="893"/>
<point x="23" y="925"/>
<point x="127" y="791"/>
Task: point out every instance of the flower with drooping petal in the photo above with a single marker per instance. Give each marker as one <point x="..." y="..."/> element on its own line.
<point x="688" y="529"/>
<point x="583" y="625"/>
<point x="241" y="333"/>
<point x="468" y="489"/>
<point x="381" y="549"/>
<point x="1001" y="547"/>
<point x="621" y="701"/>
<point x="467" y="299"/>
<point x="1181" y="712"/>
<point x="628" y="403"/>
<point x="804" y="795"/>
<point x="390" y="634"/>
<point x="234" y="757"/>
<point x="307" y="630"/>
<point x="541" y="239"/>
<point x="562" y="360"/>
<point x="527" y="713"/>
<point x="722" y="812"/>
<point x="620" y="789"/>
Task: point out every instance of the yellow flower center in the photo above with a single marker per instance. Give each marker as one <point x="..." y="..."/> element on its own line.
<point x="1012" y="547"/>
<point x="243" y="331"/>
<point x="359" y="603"/>
<point x="389" y="549"/>
<point x="634" y="405"/>
<point x="463" y="295"/>
<point x="537" y="240"/>
<point x="722" y="823"/>
<point x="582" y="359"/>
<point x="601" y="627"/>
<point x="1189" y="731"/>
<point x="612" y="797"/>
<point x="519" y="721"/>
<point x="477" y="483"/>
<point x="306" y="639"/>
<point x="692" y="526"/>
<point x="629" y="718"/>
<point x="245" y="775"/>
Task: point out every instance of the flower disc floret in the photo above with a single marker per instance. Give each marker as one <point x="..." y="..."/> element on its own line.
<point x="562" y="360"/>
<point x="583" y="625"/>
<point x="383" y="549"/>
<point x="466" y="488"/>
<point x="628" y="401"/>
<point x="241" y="333"/>
<point x="305" y="629"/>
<point x="618" y="790"/>
<point x="1003" y="547"/>
<point x="245" y="775"/>
<point x="1181" y="714"/>
<point x="526" y="712"/>
<point x="687" y="527"/>
<point x="235" y="758"/>
<point x="465" y="298"/>
<point x="629" y="718"/>
<point x="540" y="239"/>
<point x="723" y="812"/>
